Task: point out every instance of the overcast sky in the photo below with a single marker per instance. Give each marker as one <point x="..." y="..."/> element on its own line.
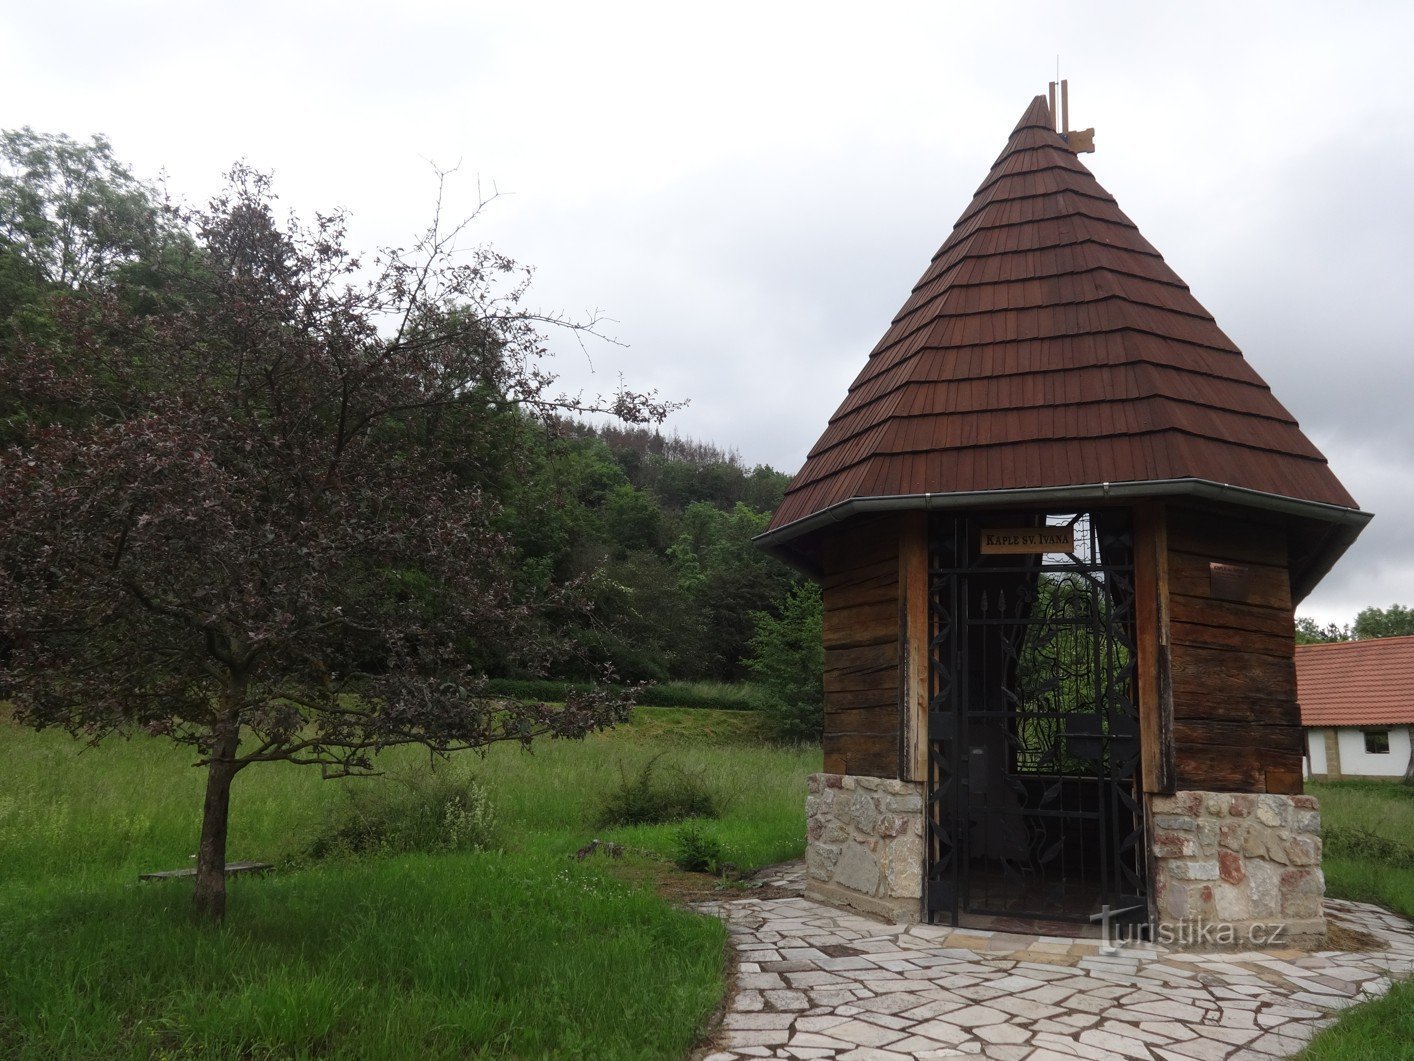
<point x="750" y="190"/>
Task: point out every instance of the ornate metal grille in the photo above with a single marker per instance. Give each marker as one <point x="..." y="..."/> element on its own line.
<point x="1033" y="727"/>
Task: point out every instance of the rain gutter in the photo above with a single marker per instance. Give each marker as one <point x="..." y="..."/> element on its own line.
<point x="1345" y="523"/>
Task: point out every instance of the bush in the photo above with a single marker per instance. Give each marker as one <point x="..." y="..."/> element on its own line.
<point x="1367" y="846"/>
<point x="428" y="811"/>
<point x="788" y="659"/>
<point x="696" y="850"/>
<point x="654" y="796"/>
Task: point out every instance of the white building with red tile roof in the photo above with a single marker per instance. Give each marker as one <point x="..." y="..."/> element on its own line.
<point x="1357" y="706"/>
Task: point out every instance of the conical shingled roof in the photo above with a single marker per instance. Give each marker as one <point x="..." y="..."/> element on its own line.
<point x="1048" y="345"/>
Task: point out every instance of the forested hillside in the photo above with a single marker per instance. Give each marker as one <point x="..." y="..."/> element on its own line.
<point x="661" y="528"/>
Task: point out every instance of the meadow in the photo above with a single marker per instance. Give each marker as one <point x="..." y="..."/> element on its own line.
<point x="1368" y="828"/>
<point x="518" y="950"/>
<point x="515" y="950"/>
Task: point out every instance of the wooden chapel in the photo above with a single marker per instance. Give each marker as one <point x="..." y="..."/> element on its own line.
<point x="1061" y="526"/>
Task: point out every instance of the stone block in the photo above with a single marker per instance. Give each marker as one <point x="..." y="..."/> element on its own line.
<point x="857" y="870"/>
<point x="1194" y="870"/>
<point x="1263" y="888"/>
<point x="1274" y="810"/>
<point x="1232" y="903"/>
<point x="1231" y="836"/>
<point x="820" y="860"/>
<point x="1174" y="845"/>
<point x="1303" y="850"/>
<point x="1177" y="822"/>
<point x="1186" y="803"/>
<point x="864" y="812"/>
<point x="1230" y="867"/>
<point x="1207" y="837"/>
<point x="904" y="804"/>
<point x="1306" y="821"/>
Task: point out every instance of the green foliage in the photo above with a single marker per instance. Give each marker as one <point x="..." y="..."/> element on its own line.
<point x="1382" y="1028"/>
<point x="1394" y="621"/>
<point x="1355" y="842"/>
<point x="788" y="660"/>
<point x="1309" y="632"/>
<point x="1369" y="830"/>
<point x="70" y="213"/>
<point x="697" y="851"/>
<point x="654" y="795"/>
<point x="429" y="811"/>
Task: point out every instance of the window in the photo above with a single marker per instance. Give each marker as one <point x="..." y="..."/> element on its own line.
<point x="1377" y="741"/>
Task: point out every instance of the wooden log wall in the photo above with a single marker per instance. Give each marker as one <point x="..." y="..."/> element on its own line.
<point x="861" y="634"/>
<point x="1236" y="724"/>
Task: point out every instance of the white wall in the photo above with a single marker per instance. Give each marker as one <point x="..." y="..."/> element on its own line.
<point x="1355" y="761"/>
<point x="1315" y="751"/>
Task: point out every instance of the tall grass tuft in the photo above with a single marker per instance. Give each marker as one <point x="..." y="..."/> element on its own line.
<point x="659" y="793"/>
<point x="427" y="810"/>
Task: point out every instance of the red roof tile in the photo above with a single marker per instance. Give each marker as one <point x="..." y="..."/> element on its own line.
<point x="1356" y="683"/>
<point x="1047" y="344"/>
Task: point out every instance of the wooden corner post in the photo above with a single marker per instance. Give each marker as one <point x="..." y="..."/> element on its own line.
<point x="913" y="646"/>
<point x="1151" y="635"/>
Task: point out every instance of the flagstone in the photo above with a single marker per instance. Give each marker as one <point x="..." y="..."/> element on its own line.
<point x="942" y="1031"/>
<point x="1202" y="1049"/>
<point x="738" y="1038"/>
<point x="863" y="1033"/>
<point x="1003" y="1033"/>
<point x="757" y="1021"/>
<point x="1124" y="1045"/>
<point x="1236" y="1036"/>
<point x="821" y="1023"/>
<point x="814" y="1040"/>
<point x="1025" y="1007"/>
<point x="791" y="1000"/>
<point x="919" y="991"/>
<point x="893" y="1003"/>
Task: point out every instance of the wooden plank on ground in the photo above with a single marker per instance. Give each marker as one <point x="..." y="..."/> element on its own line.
<point x="232" y="869"/>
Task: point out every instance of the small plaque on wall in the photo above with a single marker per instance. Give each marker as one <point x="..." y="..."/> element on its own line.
<point x="1028" y="540"/>
<point x="1228" y="582"/>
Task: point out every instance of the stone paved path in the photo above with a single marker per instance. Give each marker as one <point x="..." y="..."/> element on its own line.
<point x="815" y="981"/>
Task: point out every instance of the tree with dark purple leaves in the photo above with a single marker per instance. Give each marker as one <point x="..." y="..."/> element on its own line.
<point x="257" y="530"/>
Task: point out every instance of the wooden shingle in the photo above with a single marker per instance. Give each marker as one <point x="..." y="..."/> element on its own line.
<point x="1048" y="345"/>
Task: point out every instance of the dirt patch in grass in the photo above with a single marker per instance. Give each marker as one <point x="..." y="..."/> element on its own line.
<point x="1343" y="937"/>
<point x="682" y="888"/>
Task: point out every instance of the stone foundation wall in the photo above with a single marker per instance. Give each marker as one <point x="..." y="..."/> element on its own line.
<point x="1244" y="865"/>
<point x="864" y="844"/>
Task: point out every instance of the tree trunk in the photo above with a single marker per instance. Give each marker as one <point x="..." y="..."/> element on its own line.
<point x="209" y="902"/>
<point x="1409" y="769"/>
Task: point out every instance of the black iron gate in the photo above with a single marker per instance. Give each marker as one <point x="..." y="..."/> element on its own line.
<point x="1033" y="746"/>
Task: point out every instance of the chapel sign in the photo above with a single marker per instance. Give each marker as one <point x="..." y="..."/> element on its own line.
<point x="1028" y="540"/>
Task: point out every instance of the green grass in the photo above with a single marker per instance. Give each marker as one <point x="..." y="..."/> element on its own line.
<point x="1383" y="1028"/>
<point x="1385" y="809"/>
<point x="516" y="952"/>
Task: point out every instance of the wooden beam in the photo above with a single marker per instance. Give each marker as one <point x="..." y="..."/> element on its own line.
<point x="913" y="646"/>
<point x="1151" y="621"/>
